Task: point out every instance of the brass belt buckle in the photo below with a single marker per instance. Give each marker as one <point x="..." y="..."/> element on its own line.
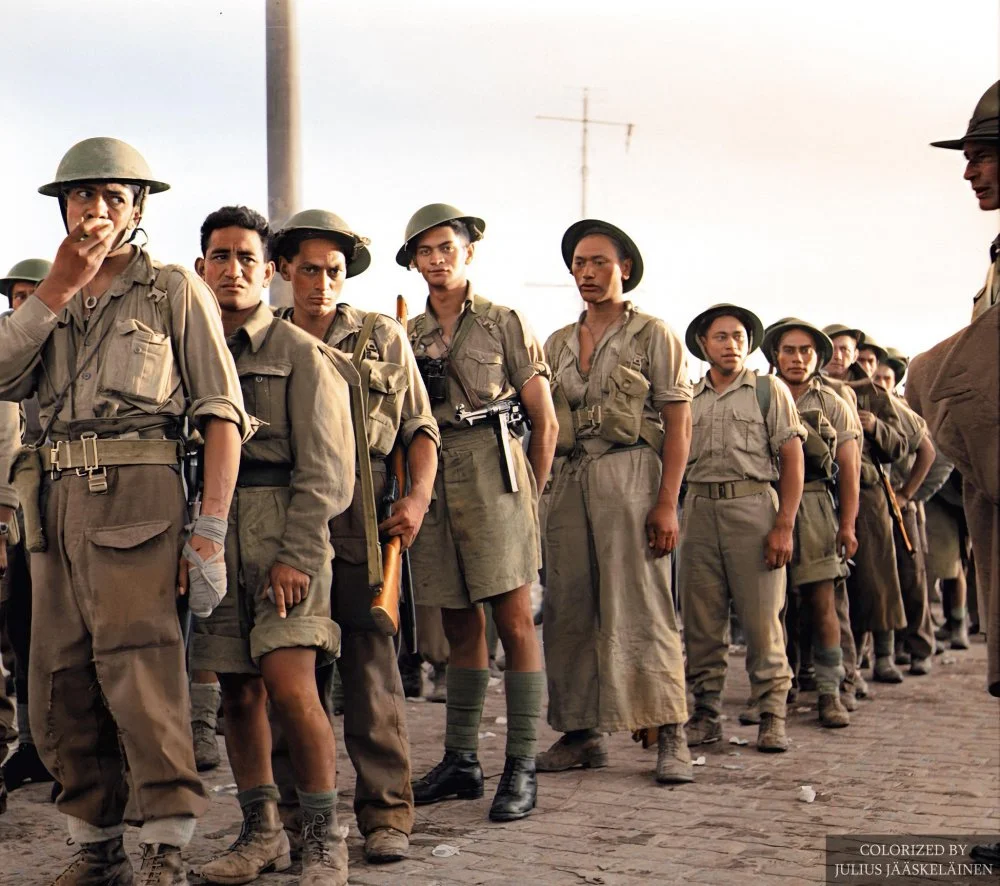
<point x="722" y="490"/>
<point x="97" y="476"/>
<point x="54" y="459"/>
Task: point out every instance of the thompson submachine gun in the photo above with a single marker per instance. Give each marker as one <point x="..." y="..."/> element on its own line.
<point x="507" y="418"/>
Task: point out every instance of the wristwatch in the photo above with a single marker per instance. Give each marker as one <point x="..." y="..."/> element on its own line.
<point x="4" y="530"/>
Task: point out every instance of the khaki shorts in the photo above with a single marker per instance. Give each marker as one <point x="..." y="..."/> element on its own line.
<point x="478" y="540"/>
<point x="245" y="626"/>
<point x="944" y="542"/>
<point x="815" y="556"/>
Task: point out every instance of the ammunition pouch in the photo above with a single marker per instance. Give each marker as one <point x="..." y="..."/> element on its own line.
<point x="434" y="372"/>
<point x="819" y="446"/>
<point x="26" y="478"/>
<point x="621" y="412"/>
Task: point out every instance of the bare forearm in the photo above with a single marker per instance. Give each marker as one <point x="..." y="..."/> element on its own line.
<point x="790" y="479"/>
<point x="849" y="482"/>
<point x="921" y="467"/>
<point x="421" y="463"/>
<point x="537" y="399"/>
<point x="676" y="447"/>
<point x="222" y="463"/>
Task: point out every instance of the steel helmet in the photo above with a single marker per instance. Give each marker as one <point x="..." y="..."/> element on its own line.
<point x="30" y="270"/>
<point x="578" y="230"/>
<point x="432" y="216"/>
<point x="984" y="125"/>
<point x="773" y="333"/>
<point x="103" y="160"/>
<point x="867" y="344"/>
<point x="836" y="329"/>
<point x="898" y="362"/>
<point x="323" y="222"/>
<point x="750" y="321"/>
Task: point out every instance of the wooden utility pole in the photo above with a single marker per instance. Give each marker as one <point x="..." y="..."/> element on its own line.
<point x="585" y="122"/>
<point x="284" y="149"/>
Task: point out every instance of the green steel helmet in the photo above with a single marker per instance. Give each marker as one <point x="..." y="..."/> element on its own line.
<point x="773" y="333"/>
<point x="320" y="222"/>
<point x="102" y="160"/>
<point x="835" y="329"/>
<point x="577" y="231"/>
<point x="30" y="270"/>
<point x="754" y="328"/>
<point x="984" y="125"/>
<point x="898" y="362"/>
<point x="432" y="216"/>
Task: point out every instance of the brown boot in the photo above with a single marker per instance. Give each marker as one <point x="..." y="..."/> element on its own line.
<point x="260" y="848"/>
<point x="324" y="852"/>
<point x="98" y="864"/>
<point x="771" y="737"/>
<point x="703" y="728"/>
<point x="385" y="845"/>
<point x="673" y="759"/>
<point x="832" y="713"/>
<point x="586" y="747"/>
<point x="848" y="697"/>
<point x="162" y="865"/>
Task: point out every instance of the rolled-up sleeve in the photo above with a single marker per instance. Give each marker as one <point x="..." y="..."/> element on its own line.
<point x="10" y="441"/>
<point x="207" y="368"/>
<point x="416" y="414"/>
<point x="783" y="422"/>
<point x="668" y="369"/>
<point x="523" y="354"/>
<point x="22" y="335"/>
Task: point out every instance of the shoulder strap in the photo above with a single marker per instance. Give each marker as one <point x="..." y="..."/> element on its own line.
<point x="763" y="385"/>
<point x="159" y="295"/>
<point x="359" y="418"/>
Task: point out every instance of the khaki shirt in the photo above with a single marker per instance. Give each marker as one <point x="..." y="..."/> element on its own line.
<point x="834" y="408"/>
<point x="10" y="442"/>
<point x="497" y="357"/>
<point x="660" y="359"/>
<point x="989" y="295"/>
<point x="163" y="357"/>
<point x="731" y="440"/>
<point x="914" y="430"/>
<point x="397" y="400"/>
<point x="294" y="385"/>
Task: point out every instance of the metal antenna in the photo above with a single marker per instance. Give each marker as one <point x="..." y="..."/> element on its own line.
<point x="585" y="121"/>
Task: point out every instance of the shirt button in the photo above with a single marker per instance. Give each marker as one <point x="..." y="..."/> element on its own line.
<point x="259" y="379"/>
<point x="85" y="376"/>
<point x="137" y="349"/>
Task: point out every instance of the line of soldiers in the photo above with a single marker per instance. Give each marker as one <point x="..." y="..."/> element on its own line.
<point x="275" y="547"/>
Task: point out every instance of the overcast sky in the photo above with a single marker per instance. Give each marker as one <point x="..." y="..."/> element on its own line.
<point x="779" y="157"/>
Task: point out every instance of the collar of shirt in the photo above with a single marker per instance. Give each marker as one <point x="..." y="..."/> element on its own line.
<point x="746" y="377"/>
<point x="995" y="249"/>
<point x="573" y="342"/>
<point x="472" y="303"/>
<point x="138" y="270"/>
<point x="346" y="322"/>
<point x="256" y="326"/>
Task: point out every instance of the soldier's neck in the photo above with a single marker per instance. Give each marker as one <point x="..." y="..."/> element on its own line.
<point x="797" y="389"/>
<point x="112" y="266"/>
<point x="233" y="320"/>
<point x="605" y="310"/>
<point x="316" y="325"/>
<point x="721" y="380"/>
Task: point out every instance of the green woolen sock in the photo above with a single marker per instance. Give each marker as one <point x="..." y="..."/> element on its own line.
<point x="258" y="794"/>
<point x="958" y="613"/>
<point x="885" y="644"/>
<point x="319" y="803"/>
<point x="829" y="665"/>
<point x="524" y="704"/>
<point x="466" y="694"/>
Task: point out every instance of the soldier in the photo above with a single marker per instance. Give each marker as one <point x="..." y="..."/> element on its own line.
<point x="316" y="252"/>
<point x="9" y="441"/>
<point x="480" y="539"/>
<point x="274" y="625"/>
<point x="876" y="601"/>
<point x="623" y="399"/>
<point x="982" y="171"/>
<point x="736" y="537"/>
<point x="120" y="350"/>
<point x="24" y="764"/>
<point x="824" y="539"/>
<point x="915" y="645"/>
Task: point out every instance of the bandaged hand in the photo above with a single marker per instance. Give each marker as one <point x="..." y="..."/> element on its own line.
<point x="203" y="566"/>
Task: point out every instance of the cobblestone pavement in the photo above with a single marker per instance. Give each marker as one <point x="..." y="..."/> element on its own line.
<point x="922" y="758"/>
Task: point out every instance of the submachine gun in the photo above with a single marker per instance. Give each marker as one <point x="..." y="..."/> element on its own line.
<point x="507" y="418"/>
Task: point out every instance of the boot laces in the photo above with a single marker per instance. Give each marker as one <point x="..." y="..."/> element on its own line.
<point x="251" y="824"/>
<point x="314" y="833"/>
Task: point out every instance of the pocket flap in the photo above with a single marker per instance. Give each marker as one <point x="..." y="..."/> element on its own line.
<point x="386" y="378"/>
<point x="131" y="326"/>
<point x="485" y="357"/>
<point x="130" y="536"/>
<point x="266" y="367"/>
<point x="630" y="381"/>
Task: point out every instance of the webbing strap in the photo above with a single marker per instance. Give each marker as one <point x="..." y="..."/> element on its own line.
<point x="359" y="418"/>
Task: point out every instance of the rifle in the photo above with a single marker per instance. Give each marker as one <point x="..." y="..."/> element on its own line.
<point x="897" y="514"/>
<point x="386" y="604"/>
<point x="505" y="416"/>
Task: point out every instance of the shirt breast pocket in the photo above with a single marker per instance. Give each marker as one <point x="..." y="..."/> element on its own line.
<point x="486" y="373"/>
<point x="139" y="364"/>
<point x="748" y="432"/>
<point x="387" y="384"/>
<point x="265" y="389"/>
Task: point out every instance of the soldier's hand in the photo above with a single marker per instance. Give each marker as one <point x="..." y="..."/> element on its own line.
<point x="205" y="548"/>
<point x="289" y="586"/>
<point x="407" y="518"/>
<point x="867" y="421"/>
<point x="778" y="547"/>
<point x="847" y="542"/>
<point x="662" y="529"/>
<point x="3" y="556"/>
<point x="78" y="259"/>
<point x="902" y="501"/>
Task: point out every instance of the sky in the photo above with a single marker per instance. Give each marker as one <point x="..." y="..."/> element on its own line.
<point x="779" y="157"/>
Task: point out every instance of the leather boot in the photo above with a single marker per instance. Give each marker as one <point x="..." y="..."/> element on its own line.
<point x="848" y="696"/>
<point x="260" y="848"/>
<point x="920" y="667"/>
<point x="673" y="759"/>
<point x="162" y="865"/>
<point x="750" y="715"/>
<point x="832" y="713"/>
<point x="861" y="689"/>
<point x="98" y="864"/>
<point x="960" y="634"/>
<point x="291" y="820"/>
<point x="586" y="747"/>
<point x="703" y="728"/>
<point x="324" y="852"/>
<point x="885" y="671"/>
<point x="457" y="775"/>
<point x="771" y="737"/>
<point x="515" y="796"/>
<point x="385" y="845"/>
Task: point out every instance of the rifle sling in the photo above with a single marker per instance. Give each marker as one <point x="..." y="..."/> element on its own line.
<point x="359" y="418"/>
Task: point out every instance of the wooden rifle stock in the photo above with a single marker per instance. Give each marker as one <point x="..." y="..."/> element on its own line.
<point x="385" y="605"/>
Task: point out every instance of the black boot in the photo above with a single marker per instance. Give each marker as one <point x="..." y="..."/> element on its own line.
<point x="98" y="864"/>
<point x="986" y="853"/>
<point x="515" y="796"/>
<point x="457" y="775"/>
<point x="25" y="765"/>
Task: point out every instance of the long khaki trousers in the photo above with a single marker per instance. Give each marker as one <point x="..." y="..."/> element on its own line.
<point x="107" y="685"/>
<point x="918" y="636"/>
<point x="722" y="559"/>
